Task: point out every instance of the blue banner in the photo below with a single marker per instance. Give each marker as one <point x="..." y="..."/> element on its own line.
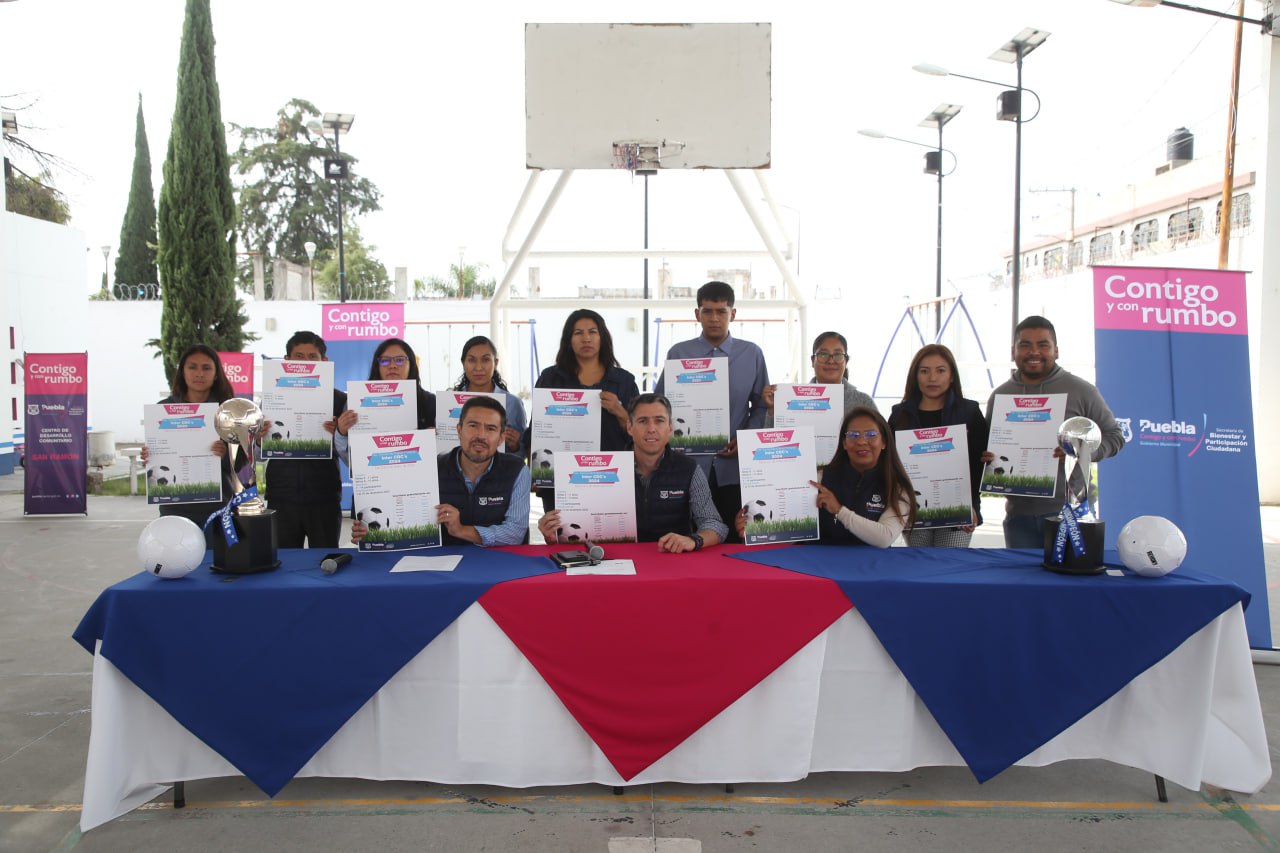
<point x="1172" y="353"/>
<point x="57" y="432"/>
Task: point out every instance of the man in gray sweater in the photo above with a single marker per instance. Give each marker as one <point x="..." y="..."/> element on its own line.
<point x="1035" y="354"/>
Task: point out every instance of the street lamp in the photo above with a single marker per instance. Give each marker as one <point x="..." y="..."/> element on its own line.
<point x="106" y="254"/>
<point x="1009" y="109"/>
<point x="1265" y="22"/>
<point x="335" y="169"/>
<point x="941" y="114"/>
<point x="310" y="248"/>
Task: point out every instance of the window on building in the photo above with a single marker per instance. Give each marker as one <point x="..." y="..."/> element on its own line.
<point x="1054" y="259"/>
<point x="1186" y="224"/>
<point x="1241" y="213"/>
<point x="1145" y="233"/>
<point x="1101" y="248"/>
<point x="1077" y="254"/>
<point x="1121" y="238"/>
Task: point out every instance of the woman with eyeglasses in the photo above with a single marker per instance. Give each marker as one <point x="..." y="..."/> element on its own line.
<point x="586" y="360"/>
<point x="865" y="497"/>
<point x="933" y="398"/>
<point x="480" y="374"/>
<point x="830" y="360"/>
<point x="394" y="360"/>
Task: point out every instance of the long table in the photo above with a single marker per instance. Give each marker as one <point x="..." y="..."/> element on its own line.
<point x="701" y="668"/>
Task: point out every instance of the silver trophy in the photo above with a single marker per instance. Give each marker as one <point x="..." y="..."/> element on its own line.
<point x="240" y="424"/>
<point x="1080" y="439"/>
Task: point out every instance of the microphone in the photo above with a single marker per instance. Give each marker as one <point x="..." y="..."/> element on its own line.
<point x="332" y="562"/>
<point x="595" y="553"/>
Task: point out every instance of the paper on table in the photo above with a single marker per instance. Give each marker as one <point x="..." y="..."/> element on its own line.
<point x="443" y="563"/>
<point x="604" y="567"/>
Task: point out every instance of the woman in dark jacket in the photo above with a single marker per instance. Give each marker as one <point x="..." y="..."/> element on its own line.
<point x="933" y="398"/>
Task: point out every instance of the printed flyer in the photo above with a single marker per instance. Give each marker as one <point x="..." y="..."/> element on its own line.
<point x="181" y="465"/>
<point x="596" y="497"/>
<point x="397" y="488"/>
<point x="384" y="405"/>
<point x="449" y="408"/>
<point x="777" y="466"/>
<point x="1024" y="432"/>
<point x="297" y="398"/>
<point x="937" y="461"/>
<point x="564" y="420"/>
<point x="820" y="407"/>
<point x="698" y="389"/>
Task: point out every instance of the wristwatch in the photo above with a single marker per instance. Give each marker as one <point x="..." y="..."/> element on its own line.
<point x="697" y="541"/>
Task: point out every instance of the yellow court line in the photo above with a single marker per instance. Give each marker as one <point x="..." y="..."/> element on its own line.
<point x="1064" y="805"/>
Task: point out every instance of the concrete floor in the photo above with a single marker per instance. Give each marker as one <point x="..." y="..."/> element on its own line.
<point x="51" y="569"/>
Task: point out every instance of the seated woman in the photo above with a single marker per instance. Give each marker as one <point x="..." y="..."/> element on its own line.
<point x="865" y="497"/>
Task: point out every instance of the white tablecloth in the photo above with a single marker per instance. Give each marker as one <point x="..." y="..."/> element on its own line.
<point x="469" y="709"/>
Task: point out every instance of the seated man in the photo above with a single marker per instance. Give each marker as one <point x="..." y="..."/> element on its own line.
<point x="484" y="494"/>
<point x="673" y="500"/>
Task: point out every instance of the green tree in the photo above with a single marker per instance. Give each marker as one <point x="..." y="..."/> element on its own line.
<point x="136" y="258"/>
<point x="367" y="278"/>
<point x="284" y="200"/>
<point x="462" y="282"/>
<point x="196" y="254"/>
<point x="35" y="197"/>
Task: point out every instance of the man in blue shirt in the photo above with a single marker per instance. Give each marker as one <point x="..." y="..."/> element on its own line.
<point x="748" y="376"/>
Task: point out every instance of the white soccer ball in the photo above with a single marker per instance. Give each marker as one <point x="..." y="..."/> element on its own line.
<point x="171" y="547"/>
<point x="1151" y="545"/>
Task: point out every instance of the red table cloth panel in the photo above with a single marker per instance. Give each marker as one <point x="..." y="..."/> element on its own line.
<point x="613" y="648"/>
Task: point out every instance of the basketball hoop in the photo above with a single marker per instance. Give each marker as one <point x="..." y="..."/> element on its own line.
<point x="643" y="156"/>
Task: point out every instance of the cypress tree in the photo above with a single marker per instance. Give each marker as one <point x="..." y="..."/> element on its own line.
<point x="196" y="255"/>
<point x="136" y="258"/>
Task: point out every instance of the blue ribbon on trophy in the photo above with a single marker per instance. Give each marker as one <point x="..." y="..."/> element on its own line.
<point x="1069" y="529"/>
<point x="228" y="525"/>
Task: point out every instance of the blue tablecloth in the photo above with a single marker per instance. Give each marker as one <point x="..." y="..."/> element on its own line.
<point x="266" y="668"/>
<point x="1005" y="654"/>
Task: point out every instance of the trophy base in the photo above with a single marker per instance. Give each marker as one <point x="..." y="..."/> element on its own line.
<point x="1089" y="563"/>
<point x="255" y="552"/>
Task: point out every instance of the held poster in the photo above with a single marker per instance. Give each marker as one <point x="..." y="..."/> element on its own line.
<point x="820" y="407"/>
<point x="56" y="390"/>
<point x="776" y="466"/>
<point x="297" y="399"/>
<point x="384" y="405"/>
<point x="1024" y="432"/>
<point x="596" y="497"/>
<point x="449" y="408"/>
<point x="1172" y="349"/>
<point x="698" y="389"/>
<point x="181" y="465"/>
<point x="397" y="488"/>
<point x="937" y="461"/>
<point x="564" y="421"/>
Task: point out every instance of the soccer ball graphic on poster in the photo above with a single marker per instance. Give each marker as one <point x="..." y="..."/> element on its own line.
<point x="374" y="518"/>
<point x="1151" y="545"/>
<point x="161" y="476"/>
<point x="171" y="547"/>
<point x="277" y="431"/>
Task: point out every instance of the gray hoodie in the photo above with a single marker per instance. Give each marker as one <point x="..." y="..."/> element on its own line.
<point x="1083" y="400"/>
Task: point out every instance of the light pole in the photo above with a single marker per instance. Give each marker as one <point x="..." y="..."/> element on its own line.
<point x="310" y="248"/>
<point x="106" y="254"/>
<point x="1009" y="109"/>
<point x="335" y="169"/>
<point x="941" y="114"/>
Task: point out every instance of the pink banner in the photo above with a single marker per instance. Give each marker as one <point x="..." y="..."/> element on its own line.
<point x="239" y="369"/>
<point x="57" y="373"/>
<point x="362" y="321"/>
<point x="1157" y="300"/>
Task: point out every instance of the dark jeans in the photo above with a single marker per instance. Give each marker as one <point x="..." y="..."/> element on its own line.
<point x="728" y="500"/>
<point x="320" y="524"/>
<point x="1024" y="531"/>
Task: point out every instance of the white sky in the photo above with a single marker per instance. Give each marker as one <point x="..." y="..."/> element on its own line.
<point x="438" y="93"/>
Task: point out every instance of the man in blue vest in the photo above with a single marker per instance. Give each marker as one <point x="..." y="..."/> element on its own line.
<point x="484" y="494"/>
<point x="674" y="506"/>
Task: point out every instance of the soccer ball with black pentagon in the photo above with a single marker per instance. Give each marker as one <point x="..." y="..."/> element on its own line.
<point x="277" y="431"/>
<point x="374" y="518"/>
<point x="161" y="476"/>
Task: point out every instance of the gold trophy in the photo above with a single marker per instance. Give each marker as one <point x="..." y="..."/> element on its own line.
<point x="248" y="543"/>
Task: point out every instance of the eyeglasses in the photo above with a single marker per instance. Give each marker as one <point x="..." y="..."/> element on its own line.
<point x="837" y="357"/>
<point x="855" y="434"/>
<point x="397" y="360"/>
